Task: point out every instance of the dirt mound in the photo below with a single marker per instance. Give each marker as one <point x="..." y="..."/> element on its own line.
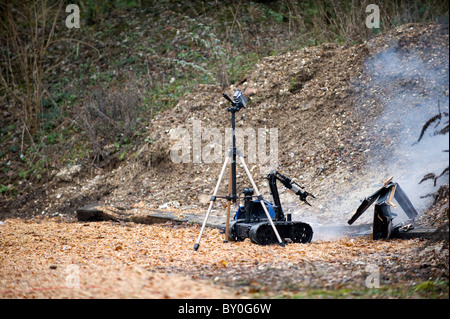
<point x="345" y="118"/>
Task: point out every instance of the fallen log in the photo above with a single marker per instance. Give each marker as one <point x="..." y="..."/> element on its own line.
<point x="425" y="233"/>
<point x="104" y="213"/>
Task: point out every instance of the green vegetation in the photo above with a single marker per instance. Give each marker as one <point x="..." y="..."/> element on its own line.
<point x="87" y="95"/>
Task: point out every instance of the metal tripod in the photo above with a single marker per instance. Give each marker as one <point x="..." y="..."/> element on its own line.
<point x="232" y="153"/>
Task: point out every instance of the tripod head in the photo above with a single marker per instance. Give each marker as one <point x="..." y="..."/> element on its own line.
<point x="239" y="101"/>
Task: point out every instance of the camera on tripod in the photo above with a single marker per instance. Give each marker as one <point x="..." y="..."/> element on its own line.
<point x="239" y="101"/>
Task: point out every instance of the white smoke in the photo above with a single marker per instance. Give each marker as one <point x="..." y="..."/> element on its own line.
<point x="414" y="92"/>
<point x="408" y="88"/>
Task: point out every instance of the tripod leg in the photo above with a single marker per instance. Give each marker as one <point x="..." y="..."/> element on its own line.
<point x="261" y="201"/>
<point x="227" y="222"/>
<point x="213" y="199"/>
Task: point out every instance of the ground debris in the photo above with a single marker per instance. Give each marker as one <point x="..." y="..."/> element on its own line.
<point x="47" y="258"/>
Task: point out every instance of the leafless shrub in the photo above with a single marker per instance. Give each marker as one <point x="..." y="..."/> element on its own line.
<point x="442" y="192"/>
<point x="110" y="121"/>
<point x="436" y="118"/>
<point x="26" y="31"/>
<point x="324" y="20"/>
<point x="433" y="176"/>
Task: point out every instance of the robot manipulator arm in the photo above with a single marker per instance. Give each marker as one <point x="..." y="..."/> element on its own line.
<point x="302" y="194"/>
<point x="292" y="186"/>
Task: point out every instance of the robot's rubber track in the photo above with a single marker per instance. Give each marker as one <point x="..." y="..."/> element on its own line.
<point x="263" y="234"/>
